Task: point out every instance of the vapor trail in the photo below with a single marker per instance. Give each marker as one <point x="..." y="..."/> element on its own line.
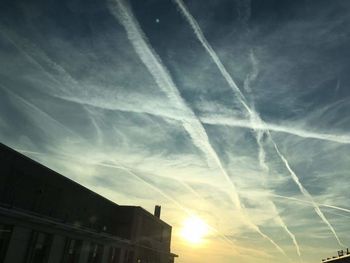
<point x="228" y="78"/>
<point x="308" y="202"/>
<point x="139" y="178"/>
<point x="261" y="154"/>
<point x="40" y="113"/>
<point x="108" y="165"/>
<point x="59" y="75"/>
<point x="163" y="79"/>
<point x="337" y="214"/>
<point x="181" y="207"/>
<point x="254" y="117"/>
<point x="257" y="229"/>
<point x="219" y="120"/>
<point x="37" y="57"/>
<point x="306" y="193"/>
<point x="281" y="222"/>
<point x="253" y="226"/>
<point x="198" y="32"/>
<point x="265" y="168"/>
<point x="64" y="75"/>
<point x="72" y="81"/>
<point x="172" y="200"/>
<point x="289" y="129"/>
<point x="26" y="54"/>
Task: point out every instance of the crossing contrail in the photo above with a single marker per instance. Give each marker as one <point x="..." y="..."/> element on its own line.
<point x="198" y="32"/>
<point x="306" y="193"/>
<point x="264" y="166"/>
<point x="157" y="189"/>
<point x="191" y="124"/>
<point x="254" y="117"/>
<point x="55" y="72"/>
<point x="308" y="202"/>
<point x="37" y="57"/>
<point x="259" y="134"/>
<point x="163" y="79"/>
<point x="288" y="129"/>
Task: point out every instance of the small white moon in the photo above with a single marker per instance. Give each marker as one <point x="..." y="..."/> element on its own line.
<point x="157" y="20"/>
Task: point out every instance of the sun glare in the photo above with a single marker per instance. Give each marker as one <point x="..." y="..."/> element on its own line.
<point x="194" y="229"/>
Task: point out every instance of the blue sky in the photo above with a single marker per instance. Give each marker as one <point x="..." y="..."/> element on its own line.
<point x="236" y="111"/>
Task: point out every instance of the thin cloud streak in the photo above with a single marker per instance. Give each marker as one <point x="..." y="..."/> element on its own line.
<point x="281" y="222"/>
<point x="254" y="117"/>
<point x="76" y="96"/>
<point x="257" y="229"/>
<point x="165" y="82"/>
<point x="35" y="55"/>
<point x="46" y="116"/>
<point x="157" y="189"/>
<point x="307" y="194"/>
<point x="198" y="32"/>
<point x="180" y="206"/>
<point x="259" y="134"/>
<point x="163" y="79"/>
<point x="60" y="76"/>
<point x="40" y="113"/>
<point x="265" y="167"/>
<point x="218" y="120"/>
<point x="289" y="129"/>
<point x="309" y="202"/>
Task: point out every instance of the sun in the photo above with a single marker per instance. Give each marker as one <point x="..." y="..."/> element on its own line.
<point x="194" y="229"/>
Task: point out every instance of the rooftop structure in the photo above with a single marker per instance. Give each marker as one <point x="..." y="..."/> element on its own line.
<point x="343" y="257"/>
<point x="46" y="217"/>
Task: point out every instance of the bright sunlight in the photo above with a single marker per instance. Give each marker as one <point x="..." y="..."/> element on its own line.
<point x="194" y="229"/>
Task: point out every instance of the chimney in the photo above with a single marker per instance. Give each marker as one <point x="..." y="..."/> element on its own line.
<point x="157" y="211"/>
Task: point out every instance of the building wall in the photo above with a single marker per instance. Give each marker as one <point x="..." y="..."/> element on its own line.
<point x="150" y="237"/>
<point x="25" y="237"/>
<point x="35" y="190"/>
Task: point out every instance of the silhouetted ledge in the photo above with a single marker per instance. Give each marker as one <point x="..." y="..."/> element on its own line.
<point x="343" y="257"/>
<point x="37" y="203"/>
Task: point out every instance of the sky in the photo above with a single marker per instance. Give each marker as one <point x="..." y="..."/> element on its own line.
<point x="233" y="111"/>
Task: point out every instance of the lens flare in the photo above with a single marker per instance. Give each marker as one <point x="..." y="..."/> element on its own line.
<point x="194" y="229"/>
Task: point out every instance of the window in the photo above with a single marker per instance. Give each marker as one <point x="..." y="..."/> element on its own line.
<point x="5" y="234"/>
<point x="114" y="254"/>
<point x="72" y="251"/>
<point x="39" y="247"/>
<point x="95" y="253"/>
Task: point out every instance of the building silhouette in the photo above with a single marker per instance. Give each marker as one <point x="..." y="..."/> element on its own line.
<point x="343" y="257"/>
<point x="46" y="217"/>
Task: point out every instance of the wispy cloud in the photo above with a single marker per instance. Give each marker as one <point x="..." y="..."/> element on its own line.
<point x="287" y="128"/>
<point x="165" y="82"/>
<point x="254" y="117"/>
<point x="150" y="59"/>
<point x="309" y="202"/>
<point x="231" y="110"/>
